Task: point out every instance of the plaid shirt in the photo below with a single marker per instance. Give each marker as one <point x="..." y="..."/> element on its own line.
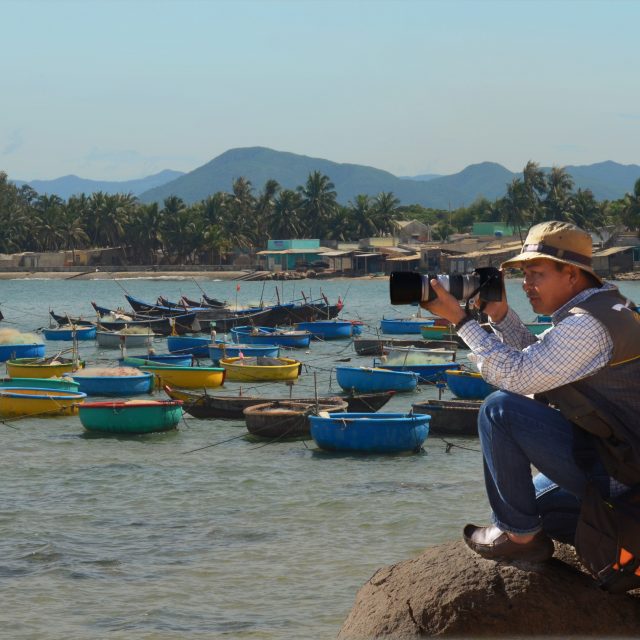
<point x="513" y="359"/>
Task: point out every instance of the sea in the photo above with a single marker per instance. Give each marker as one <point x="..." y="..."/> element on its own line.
<point x="203" y="532"/>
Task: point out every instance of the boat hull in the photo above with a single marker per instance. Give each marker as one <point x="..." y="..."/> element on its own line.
<point x="327" y="329"/>
<point x="370" y="379"/>
<point x="467" y="385"/>
<point x="15" y="351"/>
<point x="376" y="346"/>
<point x="451" y="417"/>
<point x="115" y="385"/>
<point x="187" y="377"/>
<point x="22" y="402"/>
<point x="289" y="369"/>
<point x="267" y="335"/>
<point x="65" y="384"/>
<point x="425" y="372"/>
<point x="31" y="368"/>
<point x="434" y="332"/>
<point x="370" y="433"/>
<point x="188" y="345"/>
<point x="221" y="350"/>
<point x="115" y="340"/>
<point x="403" y="326"/>
<point x="124" y="418"/>
<point x="82" y="332"/>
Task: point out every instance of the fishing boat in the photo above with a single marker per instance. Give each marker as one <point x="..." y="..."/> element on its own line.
<point x="149" y="359"/>
<point x="286" y="418"/>
<point x="269" y="335"/>
<point x="65" y="384"/>
<point x="327" y="329"/>
<point x="206" y="301"/>
<point x="51" y="367"/>
<point x="23" y="402"/>
<point x="372" y="379"/>
<point x="125" y="338"/>
<point x="376" y="346"/>
<point x="186" y="377"/>
<point x="130" y="417"/>
<point x="228" y="407"/>
<point x="537" y="327"/>
<point x="128" y="382"/>
<point x="18" y="350"/>
<point x="450" y="417"/>
<point x="435" y="331"/>
<point x="403" y="355"/>
<point x="403" y="325"/>
<point x="219" y="350"/>
<point x="370" y="433"/>
<point x="468" y="385"/>
<point x="261" y="369"/>
<point x="196" y="346"/>
<point x="425" y="372"/>
<point x="70" y="332"/>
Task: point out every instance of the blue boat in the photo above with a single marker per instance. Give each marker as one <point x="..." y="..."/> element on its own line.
<point x="175" y="359"/>
<point x="81" y="332"/>
<point x="425" y="372"/>
<point x="357" y="326"/>
<point x="370" y="379"/>
<point x="189" y="345"/>
<point x="220" y="350"/>
<point x="403" y="325"/>
<point x="327" y="329"/>
<point x="115" y="385"/>
<point x="271" y="336"/>
<point x="13" y="351"/>
<point x="468" y="385"/>
<point x="370" y="432"/>
<point x="63" y="384"/>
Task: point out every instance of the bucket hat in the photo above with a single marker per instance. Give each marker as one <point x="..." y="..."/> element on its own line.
<point x="557" y="241"/>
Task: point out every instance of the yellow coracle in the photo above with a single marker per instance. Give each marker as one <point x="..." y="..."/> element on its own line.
<point x="261" y="369"/>
<point x="22" y="402"/>
<point x="187" y="377"/>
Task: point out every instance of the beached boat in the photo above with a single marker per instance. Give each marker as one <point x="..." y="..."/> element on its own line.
<point x="124" y="338"/>
<point x="372" y="379"/>
<point x="22" y="402"/>
<point x="206" y="301"/>
<point x="286" y="418"/>
<point x="370" y="432"/>
<point x="450" y="417"/>
<point x="261" y="369"/>
<point x="122" y="382"/>
<point x="193" y="345"/>
<point x="51" y="367"/>
<point x="219" y="350"/>
<point x="228" y="407"/>
<point x="404" y="355"/>
<point x="65" y="384"/>
<point x="468" y="385"/>
<point x="327" y="329"/>
<point x="376" y="346"/>
<point x="18" y="350"/>
<point x="70" y="332"/>
<point x="425" y="372"/>
<point x="130" y="417"/>
<point x="186" y="377"/>
<point x="269" y="335"/>
<point x="403" y="325"/>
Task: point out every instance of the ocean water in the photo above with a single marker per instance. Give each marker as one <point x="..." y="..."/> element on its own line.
<point x="156" y="537"/>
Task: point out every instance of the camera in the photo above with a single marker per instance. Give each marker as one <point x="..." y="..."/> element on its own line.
<point x="409" y="287"/>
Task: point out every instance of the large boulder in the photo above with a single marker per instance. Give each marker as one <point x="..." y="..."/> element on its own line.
<point x="450" y="591"/>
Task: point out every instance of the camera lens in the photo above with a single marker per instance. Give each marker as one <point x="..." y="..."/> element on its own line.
<point x="405" y="287"/>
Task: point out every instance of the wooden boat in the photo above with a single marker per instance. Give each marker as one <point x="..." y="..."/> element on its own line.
<point x="65" y="384"/>
<point x="123" y="338"/>
<point x="227" y="407"/>
<point x="23" y="402"/>
<point x="219" y="350"/>
<point x="371" y="379"/>
<point x="51" y="367"/>
<point x="187" y="377"/>
<point x="425" y="372"/>
<point x="114" y="385"/>
<point x="269" y="335"/>
<point x="370" y="433"/>
<point x="403" y="325"/>
<point x="286" y="418"/>
<point x="468" y="385"/>
<point x="130" y="417"/>
<point x="403" y="355"/>
<point x="327" y="329"/>
<point x="70" y="332"/>
<point x="206" y="301"/>
<point x="193" y="345"/>
<point x="14" y="351"/>
<point x="375" y="346"/>
<point x="450" y="417"/>
<point x="260" y="369"/>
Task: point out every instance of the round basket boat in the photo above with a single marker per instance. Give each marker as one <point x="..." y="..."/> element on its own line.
<point x="468" y="385"/>
<point x="30" y="402"/>
<point x="12" y="351"/>
<point x="80" y="332"/>
<point x="39" y="368"/>
<point x="130" y="417"/>
<point x="105" y="385"/>
<point x="66" y="384"/>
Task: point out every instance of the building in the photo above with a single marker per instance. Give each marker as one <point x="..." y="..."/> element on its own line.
<point x="289" y="255"/>
<point x="614" y="260"/>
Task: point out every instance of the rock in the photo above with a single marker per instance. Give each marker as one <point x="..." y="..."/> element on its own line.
<point x="450" y="591"/>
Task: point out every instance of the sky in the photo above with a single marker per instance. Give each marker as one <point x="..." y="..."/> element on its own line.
<point x="121" y="89"/>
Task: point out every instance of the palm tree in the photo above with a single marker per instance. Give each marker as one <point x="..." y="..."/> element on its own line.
<point x="535" y="184"/>
<point x="514" y="206"/>
<point x="263" y="211"/>
<point x="361" y="215"/>
<point x="584" y="211"/>
<point x="385" y="212"/>
<point x="631" y="208"/>
<point x="285" y="219"/>
<point x="318" y="203"/>
<point x="559" y="186"/>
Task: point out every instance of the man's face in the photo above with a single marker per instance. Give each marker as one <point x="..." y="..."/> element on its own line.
<point x="547" y="287"/>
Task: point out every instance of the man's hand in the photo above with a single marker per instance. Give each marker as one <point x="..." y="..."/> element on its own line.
<point x="495" y="310"/>
<point x="445" y="305"/>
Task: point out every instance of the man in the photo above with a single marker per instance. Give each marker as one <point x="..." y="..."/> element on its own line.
<point x="588" y="364"/>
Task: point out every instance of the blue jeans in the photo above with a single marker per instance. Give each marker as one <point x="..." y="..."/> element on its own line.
<point x="517" y="432"/>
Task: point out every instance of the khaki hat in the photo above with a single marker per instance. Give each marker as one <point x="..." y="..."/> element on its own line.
<point x="558" y="241"/>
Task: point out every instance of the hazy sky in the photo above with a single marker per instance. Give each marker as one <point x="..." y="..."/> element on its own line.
<point x="120" y="89"/>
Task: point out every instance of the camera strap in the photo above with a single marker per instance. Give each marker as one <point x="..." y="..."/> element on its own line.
<point x="482" y="304"/>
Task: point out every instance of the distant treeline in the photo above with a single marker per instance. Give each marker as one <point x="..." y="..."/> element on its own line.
<point x="208" y="230"/>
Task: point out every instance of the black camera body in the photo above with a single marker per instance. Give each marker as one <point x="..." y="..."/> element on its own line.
<point x="409" y="287"/>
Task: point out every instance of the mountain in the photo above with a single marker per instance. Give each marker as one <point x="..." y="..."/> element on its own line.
<point x="424" y="177"/>
<point x="259" y="164"/>
<point x="73" y="185"/>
